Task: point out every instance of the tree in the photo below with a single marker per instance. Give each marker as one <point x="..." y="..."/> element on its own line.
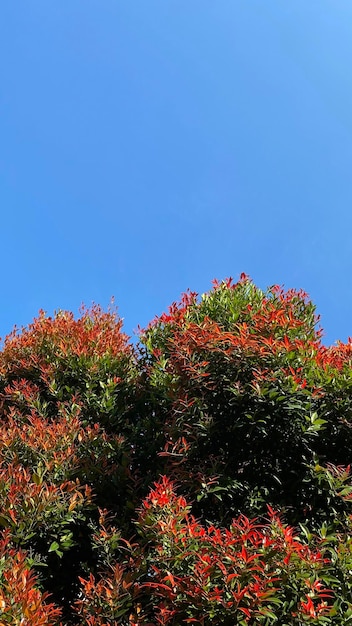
<point x="202" y="477"/>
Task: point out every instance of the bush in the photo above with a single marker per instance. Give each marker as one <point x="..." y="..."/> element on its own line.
<point x="201" y="477"/>
<point x="248" y="401"/>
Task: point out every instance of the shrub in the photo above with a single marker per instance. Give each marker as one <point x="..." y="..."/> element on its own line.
<point x="200" y="477"/>
<point x="247" y="400"/>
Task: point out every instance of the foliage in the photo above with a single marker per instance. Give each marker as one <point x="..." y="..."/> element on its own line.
<point x="248" y="399"/>
<point x="200" y="477"/>
<point x="21" y="602"/>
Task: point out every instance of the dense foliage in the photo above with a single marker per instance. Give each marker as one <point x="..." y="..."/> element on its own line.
<point x="202" y="476"/>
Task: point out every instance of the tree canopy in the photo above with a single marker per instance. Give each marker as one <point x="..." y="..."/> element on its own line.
<point x="201" y="476"/>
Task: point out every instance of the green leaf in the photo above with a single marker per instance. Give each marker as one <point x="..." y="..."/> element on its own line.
<point x="55" y="548"/>
<point x="36" y="479"/>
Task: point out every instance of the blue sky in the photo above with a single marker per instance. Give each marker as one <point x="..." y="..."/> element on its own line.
<point x="150" y="146"/>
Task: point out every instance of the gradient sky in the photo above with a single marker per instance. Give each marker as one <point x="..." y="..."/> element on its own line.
<point x="149" y="146"/>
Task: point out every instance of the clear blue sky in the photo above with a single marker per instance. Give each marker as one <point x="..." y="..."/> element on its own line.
<point x="149" y="146"/>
